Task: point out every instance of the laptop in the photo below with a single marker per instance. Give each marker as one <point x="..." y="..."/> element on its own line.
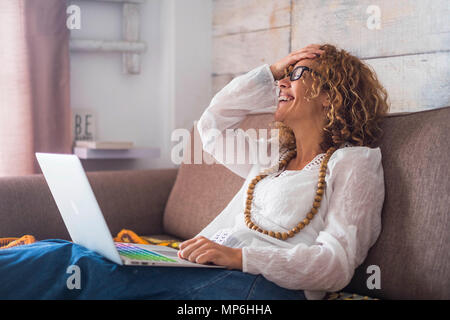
<point x="84" y="220"/>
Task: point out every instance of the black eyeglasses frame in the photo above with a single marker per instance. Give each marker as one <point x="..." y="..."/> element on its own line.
<point x="291" y="74"/>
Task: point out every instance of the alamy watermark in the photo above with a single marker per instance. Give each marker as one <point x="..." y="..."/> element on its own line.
<point x="374" y="280"/>
<point x="374" y="19"/>
<point x="74" y="280"/>
<point x="233" y="146"/>
<point x="73" y="21"/>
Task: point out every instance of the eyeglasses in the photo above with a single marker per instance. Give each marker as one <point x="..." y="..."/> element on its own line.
<point x="297" y="72"/>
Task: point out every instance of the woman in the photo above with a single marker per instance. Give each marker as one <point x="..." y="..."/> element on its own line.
<point x="292" y="236"/>
<point x="296" y="229"/>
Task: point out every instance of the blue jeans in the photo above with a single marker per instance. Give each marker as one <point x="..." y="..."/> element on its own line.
<point x="45" y="270"/>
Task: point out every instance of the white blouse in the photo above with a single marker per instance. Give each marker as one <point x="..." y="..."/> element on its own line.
<point x="322" y="257"/>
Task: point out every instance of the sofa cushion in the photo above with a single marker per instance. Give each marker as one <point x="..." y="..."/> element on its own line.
<point x="202" y="191"/>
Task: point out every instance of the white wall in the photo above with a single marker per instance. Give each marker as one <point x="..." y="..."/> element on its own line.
<point x="174" y="86"/>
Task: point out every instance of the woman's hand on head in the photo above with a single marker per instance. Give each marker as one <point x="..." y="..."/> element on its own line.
<point x="309" y="52"/>
<point x="202" y="250"/>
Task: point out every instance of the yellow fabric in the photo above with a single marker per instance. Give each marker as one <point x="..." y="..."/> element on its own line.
<point x="123" y="236"/>
<point x="130" y="236"/>
<point x="347" y="296"/>
<point x="12" y="242"/>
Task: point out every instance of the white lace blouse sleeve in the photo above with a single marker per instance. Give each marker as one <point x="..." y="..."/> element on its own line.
<point x="352" y="225"/>
<point x="253" y="92"/>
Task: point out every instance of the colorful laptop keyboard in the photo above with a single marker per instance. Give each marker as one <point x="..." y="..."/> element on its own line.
<point x="134" y="252"/>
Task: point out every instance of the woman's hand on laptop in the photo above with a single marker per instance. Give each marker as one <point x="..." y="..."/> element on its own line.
<point x="202" y="250"/>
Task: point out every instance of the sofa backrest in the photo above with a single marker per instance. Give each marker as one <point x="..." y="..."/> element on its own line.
<point x="413" y="250"/>
<point x="202" y="191"/>
<point x="130" y="199"/>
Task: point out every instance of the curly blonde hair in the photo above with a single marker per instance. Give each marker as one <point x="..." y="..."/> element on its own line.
<point x="358" y="101"/>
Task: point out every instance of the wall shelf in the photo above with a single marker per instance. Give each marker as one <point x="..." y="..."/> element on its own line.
<point x="107" y="46"/>
<point x="123" y="1"/>
<point x="132" y="153"/>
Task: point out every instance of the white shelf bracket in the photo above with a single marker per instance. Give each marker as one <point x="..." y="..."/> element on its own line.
<point x="131" y="62"/>
<point x="129" y="46"/>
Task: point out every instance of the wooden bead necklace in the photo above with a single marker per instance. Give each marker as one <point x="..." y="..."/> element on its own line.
<point x="284" y="160"/>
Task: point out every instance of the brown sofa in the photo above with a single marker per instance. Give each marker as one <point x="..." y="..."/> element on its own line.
<point x="413" y="251"/>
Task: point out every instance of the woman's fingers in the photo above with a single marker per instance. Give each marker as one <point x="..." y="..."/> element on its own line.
<point x="192" y="255"/>
<point x="305" y="56"/>
<point x="207" y="256"/>
<point x="310" y="48"/>
<point x="191" y="245"/>
<point x="309" y="52"/>
<point x="301" y="56"/>
<point x="210" y="254"/>
<point x="198" y="247"/>
<point x="202" y="250"/>
<point x="186" y="243"/>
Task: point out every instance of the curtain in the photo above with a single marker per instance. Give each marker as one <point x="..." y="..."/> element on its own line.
<point x="35" y="114"/>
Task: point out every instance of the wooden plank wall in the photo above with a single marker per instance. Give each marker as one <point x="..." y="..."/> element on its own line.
<point x="407" y="42"/>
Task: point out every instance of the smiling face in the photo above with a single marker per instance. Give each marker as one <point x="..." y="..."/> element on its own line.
<point x="293" y="105"/>
<point x="347" y="102"/>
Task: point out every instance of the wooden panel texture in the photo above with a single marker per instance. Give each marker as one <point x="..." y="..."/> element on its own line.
<point x="235" y="16"/>
<point x="406" y="42"/>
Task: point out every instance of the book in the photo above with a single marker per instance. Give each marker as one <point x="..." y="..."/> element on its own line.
<point x="104" y="144"/>
<point x="132" y="153"/>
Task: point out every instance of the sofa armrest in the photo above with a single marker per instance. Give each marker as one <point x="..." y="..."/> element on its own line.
<point x="129" y="199"/>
